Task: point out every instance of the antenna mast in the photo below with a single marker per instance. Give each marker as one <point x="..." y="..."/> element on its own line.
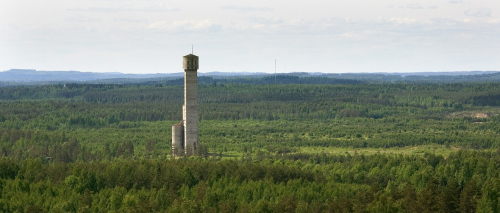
<point x="274" y="71"/>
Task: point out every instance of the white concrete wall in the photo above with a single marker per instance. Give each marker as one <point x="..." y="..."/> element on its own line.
<point x="177" y="140"/>
<point x="190" y="109"/>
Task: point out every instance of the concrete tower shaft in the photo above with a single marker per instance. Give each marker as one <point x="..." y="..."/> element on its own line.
<point x="190" y="108"/>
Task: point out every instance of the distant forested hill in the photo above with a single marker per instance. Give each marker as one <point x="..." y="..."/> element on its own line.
<point x="26" y="75"/>
<point x="17" y="77"/>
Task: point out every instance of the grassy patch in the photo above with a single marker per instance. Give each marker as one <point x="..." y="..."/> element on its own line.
<point x="410" y="150"/>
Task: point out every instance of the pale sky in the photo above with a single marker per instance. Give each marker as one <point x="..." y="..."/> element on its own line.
<point x="331" y="36"/>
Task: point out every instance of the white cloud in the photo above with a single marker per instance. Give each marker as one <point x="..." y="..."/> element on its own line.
<point x="151" y="8"/>
<point x="414" y="6"/>
<point x="131" y="20"/>
<point x="494" y="21"/>
<point x="478" y="12"/>
<point x="353" y="35"/>
<point x="186" y="26"/>
<point x="246" y="8"/>
<point x="153" y="33"/>
<point x="443" y="22"/>
<point x="128" y="8"/>
<point x="265" y="20"/>
<point x="95" y="9"/>
<point x="404" y="20"/>
<point x="83" y="19"/>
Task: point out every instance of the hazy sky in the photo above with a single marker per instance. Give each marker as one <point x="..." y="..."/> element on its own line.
<point x="151" y="36"/>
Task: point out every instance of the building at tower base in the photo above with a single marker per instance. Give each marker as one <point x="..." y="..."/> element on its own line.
<point x="177" y="139"/>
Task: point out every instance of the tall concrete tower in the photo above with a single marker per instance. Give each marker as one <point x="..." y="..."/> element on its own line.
<point x="190" y="108"/>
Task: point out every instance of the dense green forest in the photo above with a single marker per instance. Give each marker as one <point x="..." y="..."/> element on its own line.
<point x="340" y="146"/>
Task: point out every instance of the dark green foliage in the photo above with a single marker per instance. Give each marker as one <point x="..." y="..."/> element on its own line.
<point x="278" y="185"/>
<point x="104" y="148"/>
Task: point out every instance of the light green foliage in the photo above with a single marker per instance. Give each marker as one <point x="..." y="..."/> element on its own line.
<point x="264" y="148"/>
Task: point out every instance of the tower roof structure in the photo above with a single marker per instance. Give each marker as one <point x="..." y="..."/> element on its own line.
<point x="190" y="62"/>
